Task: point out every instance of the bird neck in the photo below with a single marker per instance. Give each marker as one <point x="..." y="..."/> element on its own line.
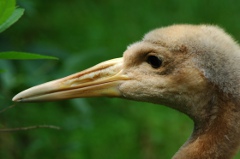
<point x="216" y="135"/>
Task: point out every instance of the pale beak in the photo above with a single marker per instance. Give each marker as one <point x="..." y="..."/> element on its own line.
<point x="100" y="80"/>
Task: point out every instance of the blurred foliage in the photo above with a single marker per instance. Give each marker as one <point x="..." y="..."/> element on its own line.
<point x="13" y="55"/>
<point x="16" y="14"/>
<point x="83" y="33"/>
<point x="9" y="15"/>
<point x="6" y="10"/>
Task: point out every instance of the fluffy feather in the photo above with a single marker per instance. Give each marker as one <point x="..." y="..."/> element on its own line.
<point x="215" y="53"/>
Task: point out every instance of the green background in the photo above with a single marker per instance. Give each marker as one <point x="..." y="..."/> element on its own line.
<point x="83" y="33"/>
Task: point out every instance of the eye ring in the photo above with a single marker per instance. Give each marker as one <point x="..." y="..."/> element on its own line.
<point x="154" y="61"/>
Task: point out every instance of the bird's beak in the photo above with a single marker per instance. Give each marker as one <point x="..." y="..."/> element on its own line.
<point x="100" y="80"/>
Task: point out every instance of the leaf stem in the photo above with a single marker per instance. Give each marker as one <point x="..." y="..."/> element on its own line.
<point x="30" y="128"/>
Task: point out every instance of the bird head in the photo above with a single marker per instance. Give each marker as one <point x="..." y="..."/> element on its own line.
<point x="173" y="66"/>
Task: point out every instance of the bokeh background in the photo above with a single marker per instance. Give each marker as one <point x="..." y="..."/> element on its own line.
<point x="83" y="33"/>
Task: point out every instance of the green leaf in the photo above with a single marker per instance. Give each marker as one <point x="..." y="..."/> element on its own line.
<point x="6" y="9"/>
<point x="2" y="71"/>
<point x="12" y="55"/>
<point x="17" y="13"/>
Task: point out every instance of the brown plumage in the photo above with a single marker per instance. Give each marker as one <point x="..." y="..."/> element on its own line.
<point x="191" y="68"/>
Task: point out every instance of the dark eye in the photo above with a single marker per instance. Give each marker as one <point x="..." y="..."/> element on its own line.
<point x="154" y="61"/>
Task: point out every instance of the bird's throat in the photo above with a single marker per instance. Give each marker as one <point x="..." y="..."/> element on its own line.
<point x="216" y="136"/>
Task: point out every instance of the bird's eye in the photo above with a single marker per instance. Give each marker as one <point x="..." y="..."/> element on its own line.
<point x="154" y="61"/>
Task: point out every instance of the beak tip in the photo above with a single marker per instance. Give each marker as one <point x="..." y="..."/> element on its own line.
<point x="16" y="98"/>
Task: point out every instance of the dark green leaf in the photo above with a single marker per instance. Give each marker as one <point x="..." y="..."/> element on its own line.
<point x="12" y="55"/>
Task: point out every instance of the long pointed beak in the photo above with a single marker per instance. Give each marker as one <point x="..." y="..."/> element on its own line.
<point x="100" y="80"/>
